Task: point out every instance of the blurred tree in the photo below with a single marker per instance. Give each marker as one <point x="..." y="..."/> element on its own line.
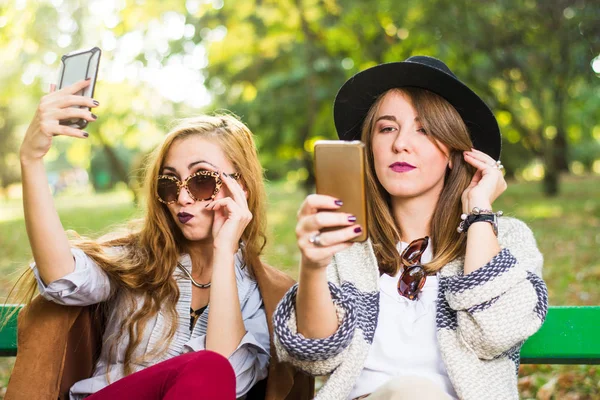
<point x="530" y="60"/>
<point x="9" y="161"/>
<point x="132" y="115"/>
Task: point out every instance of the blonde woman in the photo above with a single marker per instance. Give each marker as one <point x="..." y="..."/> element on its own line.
<point x="435" y="305"/>
<point x="182" y="295"/>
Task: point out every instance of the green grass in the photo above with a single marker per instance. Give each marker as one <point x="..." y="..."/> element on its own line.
<point x="89" y="215"/>
<point x="566" y="228"/>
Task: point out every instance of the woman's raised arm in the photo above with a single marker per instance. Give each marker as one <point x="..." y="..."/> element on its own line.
<point x="48" y="240"/>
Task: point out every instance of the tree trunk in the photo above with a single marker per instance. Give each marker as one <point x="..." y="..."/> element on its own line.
<point x="560" y="141"/>
<point x="551" y="173"/>
<point x="560" y="96"/>
<point x="561" y="150"/>
<point x="117" y="166"/>
<point x="551" y="182"/>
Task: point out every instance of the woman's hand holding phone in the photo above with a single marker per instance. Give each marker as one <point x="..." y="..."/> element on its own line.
<point x="321" y="231"/>
<point x="316" y="213"/>
<point x="54" y="107"/>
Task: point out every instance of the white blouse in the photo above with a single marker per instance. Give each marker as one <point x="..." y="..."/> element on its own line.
<point x="405" y="341"/>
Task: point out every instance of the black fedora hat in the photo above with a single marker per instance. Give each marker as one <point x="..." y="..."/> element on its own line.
<point x="358" y="94"/>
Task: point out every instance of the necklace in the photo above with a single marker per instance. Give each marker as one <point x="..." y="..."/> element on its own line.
<point x="187" y="273"/>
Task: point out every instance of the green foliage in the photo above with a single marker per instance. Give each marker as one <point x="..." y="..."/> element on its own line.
<point x="541" y="85"/>
<point x="279" y="64"/>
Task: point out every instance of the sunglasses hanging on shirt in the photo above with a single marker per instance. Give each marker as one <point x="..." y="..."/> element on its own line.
<point x="414" y="275"/>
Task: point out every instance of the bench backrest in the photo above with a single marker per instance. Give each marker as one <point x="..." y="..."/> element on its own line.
<point x="570" y="335"/>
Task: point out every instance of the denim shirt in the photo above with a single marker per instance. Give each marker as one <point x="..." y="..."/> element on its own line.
<point x="89" y="284"/>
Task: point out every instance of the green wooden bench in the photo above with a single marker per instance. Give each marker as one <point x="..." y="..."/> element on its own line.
<point x="570" y="335"/>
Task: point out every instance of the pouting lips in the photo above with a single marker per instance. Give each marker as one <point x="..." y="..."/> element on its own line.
<point x="184" y="217"/>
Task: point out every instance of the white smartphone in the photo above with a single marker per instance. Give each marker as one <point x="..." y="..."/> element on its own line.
<point x="76" y="66"/>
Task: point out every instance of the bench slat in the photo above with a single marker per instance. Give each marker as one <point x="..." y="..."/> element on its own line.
<point x="570" y="335"/>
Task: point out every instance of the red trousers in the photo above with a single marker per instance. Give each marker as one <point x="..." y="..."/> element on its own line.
<point x="199" y="375"/>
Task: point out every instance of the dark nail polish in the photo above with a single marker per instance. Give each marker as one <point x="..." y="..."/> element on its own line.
<point x="225" y="174"/>
<point x="88" y="78"/>
<point x="94" y="116"/>
<point x="339" y="202"/>
<point x="352" y="218"/>
<point x="358" y="229"/>
<point x="96" y="103"/>
<point x="85" y="134"/>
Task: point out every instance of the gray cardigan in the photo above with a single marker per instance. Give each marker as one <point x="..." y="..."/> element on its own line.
<point x="482" y="319"/>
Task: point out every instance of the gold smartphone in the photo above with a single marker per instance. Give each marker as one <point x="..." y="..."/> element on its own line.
<point x="340" y="173"/>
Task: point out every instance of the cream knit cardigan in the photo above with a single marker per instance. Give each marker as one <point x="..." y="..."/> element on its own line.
<point x="482" y="318"/>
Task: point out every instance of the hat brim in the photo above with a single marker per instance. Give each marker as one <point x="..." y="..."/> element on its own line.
<point x="358" y="94"/>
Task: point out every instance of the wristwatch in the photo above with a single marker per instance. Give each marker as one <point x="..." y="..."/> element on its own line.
<point x="492" y="218"/>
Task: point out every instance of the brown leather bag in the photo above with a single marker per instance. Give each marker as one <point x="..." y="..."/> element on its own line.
<point x="57" y="346"/>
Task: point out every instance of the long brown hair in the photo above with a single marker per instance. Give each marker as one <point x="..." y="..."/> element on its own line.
<point x="443" y="125"/>
<point x="146" y="265"/>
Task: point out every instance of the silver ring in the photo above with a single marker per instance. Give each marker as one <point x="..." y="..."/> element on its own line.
<point x="315" y="239"/>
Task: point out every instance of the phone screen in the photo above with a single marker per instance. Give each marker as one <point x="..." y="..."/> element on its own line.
<point x="76" y="66"/>
<point x="79" y="65"/>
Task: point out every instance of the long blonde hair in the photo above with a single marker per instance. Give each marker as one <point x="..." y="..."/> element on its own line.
<point x="146" y="265"/>
<point x="443" y="125"/>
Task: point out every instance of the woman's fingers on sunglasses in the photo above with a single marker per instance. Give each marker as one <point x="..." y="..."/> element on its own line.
<point x="314" y="202"/>
<point x="234" y="188"/>
<point x="217" y="204"/>
<point x="234" y="209"/>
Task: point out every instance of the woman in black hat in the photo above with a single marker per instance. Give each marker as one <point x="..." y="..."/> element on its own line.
<point x="437" y="303"/>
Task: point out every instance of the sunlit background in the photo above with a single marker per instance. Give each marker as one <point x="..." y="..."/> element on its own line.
<point x="278" y="65"/>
